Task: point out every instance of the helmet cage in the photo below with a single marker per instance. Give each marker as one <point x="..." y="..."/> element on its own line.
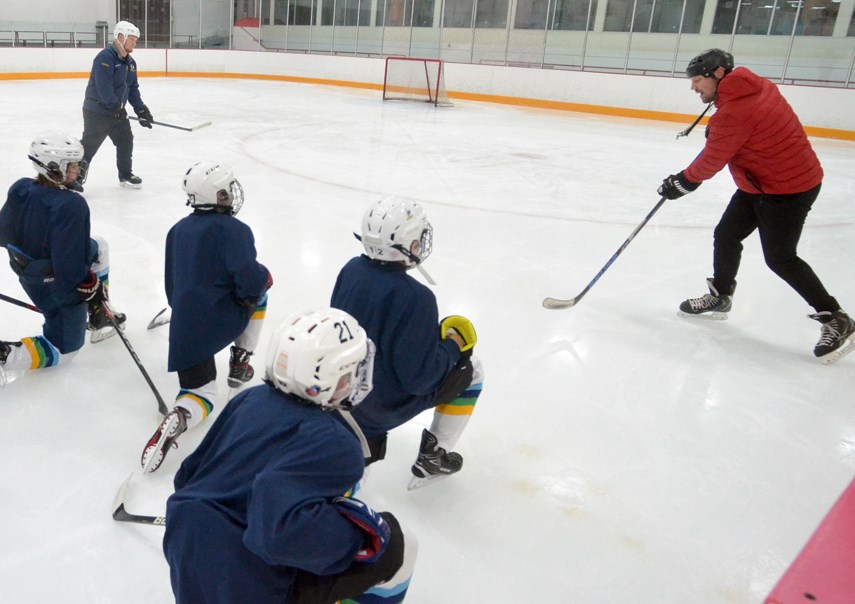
<point x="212" y="185"/>
<point x="397" y="230"/>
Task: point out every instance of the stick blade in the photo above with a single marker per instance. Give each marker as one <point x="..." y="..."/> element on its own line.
<point x="119" y="499"/>
<point x="556" y="304"/>
<point x="161" y="318"/>
<point x="202" y="125"/>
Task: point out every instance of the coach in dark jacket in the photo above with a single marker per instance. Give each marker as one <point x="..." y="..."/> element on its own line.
<point x="112" y="84"/>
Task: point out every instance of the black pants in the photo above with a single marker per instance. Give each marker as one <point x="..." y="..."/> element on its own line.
<point x="97" y="127"/>
<point x="780" y="219"/>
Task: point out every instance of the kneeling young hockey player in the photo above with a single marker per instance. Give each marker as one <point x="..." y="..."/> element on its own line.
<point x="259" y="513"/>
<point x="218" y="294"/>
<point x="44" y="227"/>
<point x="421" y="363"/>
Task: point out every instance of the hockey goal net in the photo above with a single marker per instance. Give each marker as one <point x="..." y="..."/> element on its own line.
<point x="415" y="80"/>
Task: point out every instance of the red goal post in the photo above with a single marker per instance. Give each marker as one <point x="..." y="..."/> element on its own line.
<point x="415" y="80"/>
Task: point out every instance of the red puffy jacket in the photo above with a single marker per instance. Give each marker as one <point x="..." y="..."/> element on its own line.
<point x="756" y="133"/>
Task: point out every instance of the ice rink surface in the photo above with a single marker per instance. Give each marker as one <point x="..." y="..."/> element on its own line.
<point x="619" y="453"/>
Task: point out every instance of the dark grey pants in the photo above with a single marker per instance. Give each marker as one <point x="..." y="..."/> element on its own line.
<point x="96" y="128"/>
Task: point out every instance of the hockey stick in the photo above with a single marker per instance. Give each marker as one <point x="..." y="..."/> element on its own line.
<point x="161" y="406"/>
<point x="556" y="304"/>
<point x="159" y="319"/>
<point x="196" y="127"/>
<point x="20" y="303"/>
<point x="695" y="123"/>
<point x="120" y="514"/>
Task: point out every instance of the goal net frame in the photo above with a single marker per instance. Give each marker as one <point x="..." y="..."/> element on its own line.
<point x="415" y="80"/>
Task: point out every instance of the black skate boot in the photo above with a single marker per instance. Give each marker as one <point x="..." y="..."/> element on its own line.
<point x="131" y="182"/>
<point x="163" y="439"/>
<point x="834" y="342"/>
<point x="433" y="462"/>
<point x="713" y="305"/>
<point x="240" y="371"/>
<point x="100" y="325"/>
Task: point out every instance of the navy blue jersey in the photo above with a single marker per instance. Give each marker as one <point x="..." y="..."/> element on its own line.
<point x="252" y="502"/>
<point x="400" y="316"/>
<point x="113" y="80"/>
<point x="53" y="225"/>
<point x="212" y="282"/>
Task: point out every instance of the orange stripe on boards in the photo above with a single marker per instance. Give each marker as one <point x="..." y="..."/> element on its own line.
<point x="278" y="78"/>
<point x="663" y="116"/>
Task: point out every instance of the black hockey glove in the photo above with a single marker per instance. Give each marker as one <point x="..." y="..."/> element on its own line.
<point x="675" y="186"/>
<point x="92" y="290"/>
<point x="119" y="111"/>
<point x="145" y="117"/>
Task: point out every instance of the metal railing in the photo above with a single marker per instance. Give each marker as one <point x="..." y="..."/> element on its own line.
<point x="51" y="39"/>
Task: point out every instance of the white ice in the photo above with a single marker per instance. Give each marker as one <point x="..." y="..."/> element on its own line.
<point x="619" y="453"/>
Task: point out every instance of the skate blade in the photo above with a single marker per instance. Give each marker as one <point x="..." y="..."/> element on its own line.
<point x="105" y="333"/>
<point x="102" y="334"/>
<point x="835" y="355"/>
<point x="7" y="376"/>
<point x="417" y="482"/>
<point x="707" y="316"/>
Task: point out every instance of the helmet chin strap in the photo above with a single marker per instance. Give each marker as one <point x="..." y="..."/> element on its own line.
<point x="49" y="171"/>
<point x="366" y="450"/>
<point x="415" y="259"/>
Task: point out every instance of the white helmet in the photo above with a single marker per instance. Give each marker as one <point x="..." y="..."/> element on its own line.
<point x="322" y="356"/>
<point x="53" y="152"/>
<point x="210" y="184"/>
<point x="125" y="28"/>
<point x="397" y="230"/>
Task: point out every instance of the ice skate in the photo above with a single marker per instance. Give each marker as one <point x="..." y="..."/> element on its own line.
<point x="834" y="341"/>
<point x="163" y="439"/>
<point x="100" y="325"/>
<point x="709" y="306"/>
<point x="433" y="463"/>
<point x="240" y="371"/>
<point x="131" y="182"/>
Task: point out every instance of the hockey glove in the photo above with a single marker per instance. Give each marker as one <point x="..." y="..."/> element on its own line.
<point x="375" y="530"/>
<point x="269" y="280"/>
<point x="462" y="327"/>
<point x="92" y="290"/>
<point x="145" y="117"/>
<point x="676" y="185"/>
<point x="119" y="111"/>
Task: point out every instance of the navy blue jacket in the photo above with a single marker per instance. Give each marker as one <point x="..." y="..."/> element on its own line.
<point x="400" y="316"/>
<point x="252" y="502"/>
<point x="112" y="80"/>
<point x="52" y="225"/>
<point x="210" y="270"/>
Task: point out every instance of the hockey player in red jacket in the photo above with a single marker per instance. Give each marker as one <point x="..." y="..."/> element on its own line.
<point x="757" y="135"/>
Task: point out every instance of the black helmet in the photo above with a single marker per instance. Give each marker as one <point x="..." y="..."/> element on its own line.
<point x="708" y="61"/>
